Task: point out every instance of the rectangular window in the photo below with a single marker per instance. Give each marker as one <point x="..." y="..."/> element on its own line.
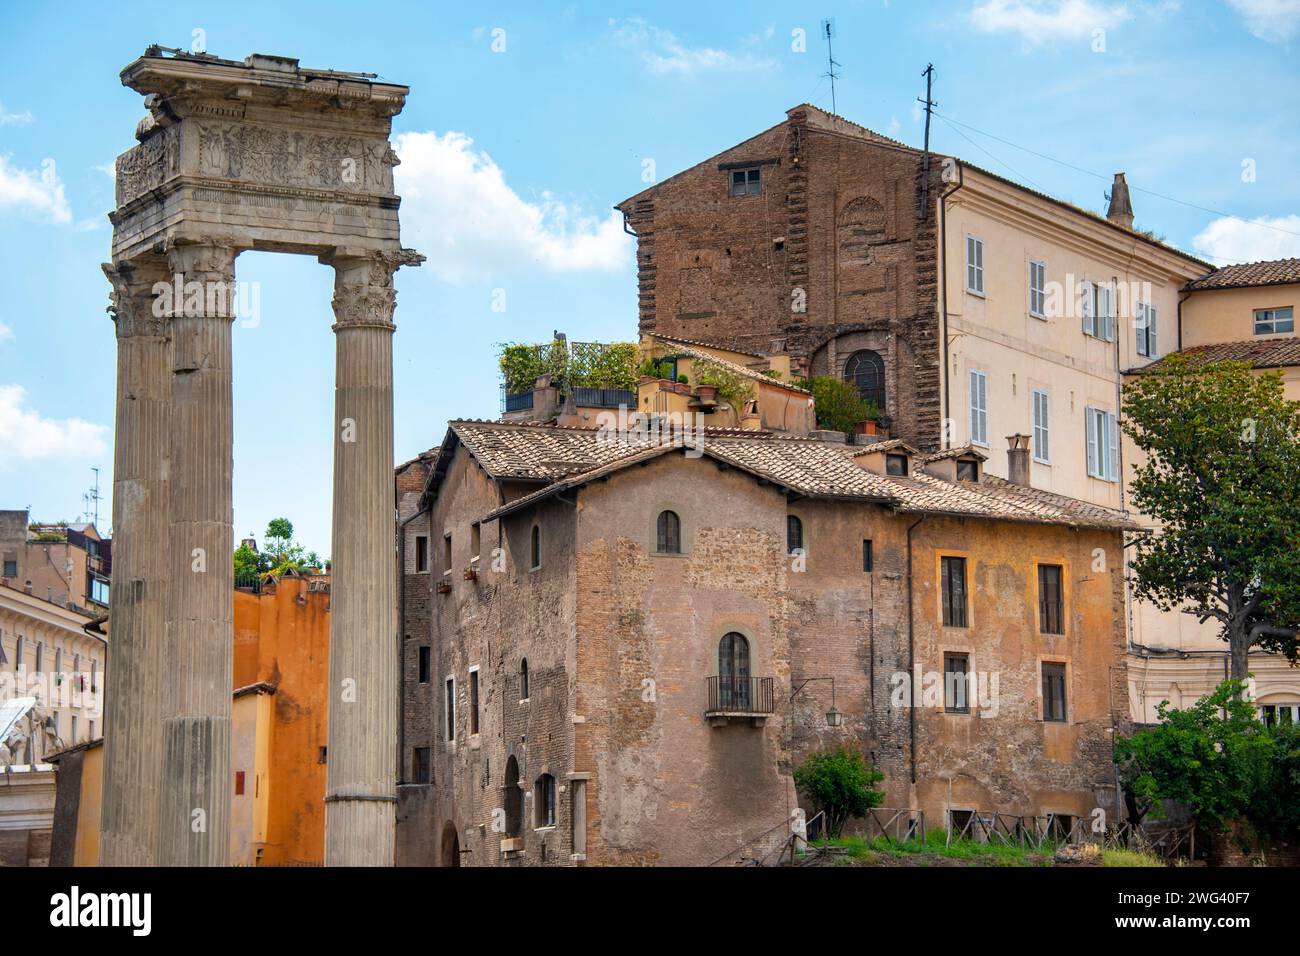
<point x="952" y="587"/>
<point x="1051" y="606"/>
<point x="868" y="562"/>
<point x="1145" y="324"/>
<point x="449" y="708"/>
<point x="1042" y="443"/>
<point x="473" y="702"/>
<point x="1053" y="691"/>
<point x="11" y="569"/>
<point x="421" y="553"/>
<point x="955" y="667"/>
<point x="1105" y="312"/>
<point x="99" y="591"/>
<point x="420" y="765"/>
<point x="896" y="465"/>
<point x="975" y="265"/>
<point x="968" y="469"/>
<point x="979" y="408"/>
<point x="423" y="655"/>
<point x="1267" y="322"/>
<point x="1038" y="289"/>
<point x="746" y="182"/>
<point x="475" y="540"/>
<point x="1103" y="444"/>
<point x="239" y="783"/>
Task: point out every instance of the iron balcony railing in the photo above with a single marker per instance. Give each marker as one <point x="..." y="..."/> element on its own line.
<point x="518" y="401"/>
<point x="604" y="397"/>
<point x="743" y="695"/>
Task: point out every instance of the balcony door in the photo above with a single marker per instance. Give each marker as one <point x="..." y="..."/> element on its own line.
<point x="733" y="672"/>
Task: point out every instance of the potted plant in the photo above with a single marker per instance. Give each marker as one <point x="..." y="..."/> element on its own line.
<point x="471" y="573"/>
<point x="444" y="587"/>
<point x="871" y="421"/>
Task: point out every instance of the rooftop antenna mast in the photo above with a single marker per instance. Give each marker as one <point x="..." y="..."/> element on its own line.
<point x="92" y="498"/>
<point x="930" y="104"/>
<point x="828" y="31"/>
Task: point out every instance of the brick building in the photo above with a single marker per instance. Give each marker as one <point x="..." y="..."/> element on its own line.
<point x="616" y="654"/>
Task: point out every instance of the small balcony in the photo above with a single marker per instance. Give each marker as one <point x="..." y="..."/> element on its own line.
<point x="739" y="698"/>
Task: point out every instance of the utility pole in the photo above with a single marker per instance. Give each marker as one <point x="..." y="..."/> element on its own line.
<point x="828" y="30"/>
<point x="930" y="104"/>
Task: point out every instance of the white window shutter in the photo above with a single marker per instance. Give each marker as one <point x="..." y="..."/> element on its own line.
<point x="1087" y="305"/>
<point x="1112" y="432"/>
<point x="1108" y="296"/>
<point x="984" y="409"/>
<point x="1151" y="332"/>
<point x="1090" y="427"/>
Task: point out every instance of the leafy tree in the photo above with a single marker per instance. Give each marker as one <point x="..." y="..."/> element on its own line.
<point x="1220" y="474"/>
<point x="1214" y="758"/>
<point x="838" y="404"/>
<point x="279" y="554"/>
<point x="839" y="782"/>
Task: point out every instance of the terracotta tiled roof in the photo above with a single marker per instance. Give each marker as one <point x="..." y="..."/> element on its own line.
<point x="969" y="451"/>
<point x="1260" y="353"/>
<point x="707" y="345"/>
<point x="889" y="444"/>
<point x="1273" y="272"/>
<point x="695" y="352"/>
<point x="810" y="467"/>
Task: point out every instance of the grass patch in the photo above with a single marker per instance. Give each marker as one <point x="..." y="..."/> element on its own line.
<point x="1118" y="857"/>
<point x="863" y="851"/>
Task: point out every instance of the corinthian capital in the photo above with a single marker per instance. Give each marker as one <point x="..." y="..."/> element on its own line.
<point x="363" y="286"/>
<point x="134" y="294"/>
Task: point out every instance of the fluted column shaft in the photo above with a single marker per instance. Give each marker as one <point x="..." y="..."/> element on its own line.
<point x="194" y="824"/>
<point x="361" y="794"/>
<point x="132" y="682"/>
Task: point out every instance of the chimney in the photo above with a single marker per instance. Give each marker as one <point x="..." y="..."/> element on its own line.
<point x="1121" y="207"/>
<point x="1018" y="460"/>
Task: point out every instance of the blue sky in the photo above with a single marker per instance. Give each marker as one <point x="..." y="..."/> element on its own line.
<point x="512" y="158"/>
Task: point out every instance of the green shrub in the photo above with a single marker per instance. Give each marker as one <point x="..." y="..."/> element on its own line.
<point x="840" y="783"/>
<point x="838" y="405"/>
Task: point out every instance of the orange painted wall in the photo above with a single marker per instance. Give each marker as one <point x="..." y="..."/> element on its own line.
<point x="282" y="639"/>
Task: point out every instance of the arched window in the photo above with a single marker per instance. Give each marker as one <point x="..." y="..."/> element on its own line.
<point x="537" y="546"/>
<point x="866" y="371"/>
<point x="544" y="801"/>
<point x="733" y="672"/>
<point x="793" y="533"/>
<point x="514" y="799"/>
<point x="669" y="537"/>
<point x="523" y="678"/>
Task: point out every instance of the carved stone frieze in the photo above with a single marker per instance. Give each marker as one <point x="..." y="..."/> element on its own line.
<point x="149" y="165"/>
<point x="284" y="157"/>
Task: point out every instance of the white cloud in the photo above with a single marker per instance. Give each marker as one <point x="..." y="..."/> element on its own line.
<point x="1276" y="21"/>
<point x="25" y="435"/>
<point x="6" y="333"/>
<point x="15" y="119"/>
<point x="1039" y="21"/>
<point x="38" y="193"/>
<point x="1229" y="239"/>
<point x="458" y="210"/>
<point x="662" y="52"/>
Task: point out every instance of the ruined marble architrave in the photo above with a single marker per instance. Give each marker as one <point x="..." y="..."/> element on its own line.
<point x="236" y="155"/>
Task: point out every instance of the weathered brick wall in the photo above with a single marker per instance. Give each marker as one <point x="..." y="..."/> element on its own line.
<point x="492" y="623"/>
<point x="620" y="641"/>
<point x="836" y="224"/>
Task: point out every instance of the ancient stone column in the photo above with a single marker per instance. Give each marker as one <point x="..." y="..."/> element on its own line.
<point x="361" y="787"/>
<point x="131" y="686"/>
<point x="194" y="824"/>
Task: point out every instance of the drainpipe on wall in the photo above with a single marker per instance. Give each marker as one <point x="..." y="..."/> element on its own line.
<point x="943" y="293"/>
<point x="911" y="649"/>
<point x="1180" y="319"/>
<point x="401" y="638"/>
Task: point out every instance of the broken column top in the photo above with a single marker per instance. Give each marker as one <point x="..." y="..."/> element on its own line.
<point x="262" y="79"/>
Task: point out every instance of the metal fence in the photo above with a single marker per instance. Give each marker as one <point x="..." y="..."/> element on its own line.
<point x="749" y="695"/>
<point x="604" y="397"/>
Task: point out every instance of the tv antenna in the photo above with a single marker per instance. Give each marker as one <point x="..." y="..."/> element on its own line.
<point x="91" y="499"/>
<point x="828" y="31"/>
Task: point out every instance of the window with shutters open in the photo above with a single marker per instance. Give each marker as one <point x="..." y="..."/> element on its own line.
<point x="1103" y="444"/>
<point x="975" y="265"/>
<point x="1042" y="446"/>
<point x="979" y="408"/>
<point x="1146" y="330"/>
